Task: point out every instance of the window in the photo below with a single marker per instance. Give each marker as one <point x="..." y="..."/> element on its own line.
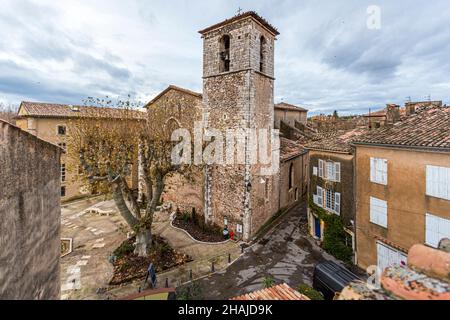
<point x="329" y="200"/>
<point x="266" y="188"/>
<point x="225" y="53"/>
<point x="63" y="172"/>
<point x="330" y="170"/>
<point x="437" y="228"/>
<point x="262" y="46"/>
<point x="225" y="221"/>
<point x="63" y="192"/>
<point x="378" y="212"/>
<point x="438" y="182"/>
<point x="318" y="198"/>
<point x="333" y="202"/>
<point x="62" y="130"/>
<point x="378" y="171"/>
<point x="291" y="176"/>
<point x="315" y="171"/>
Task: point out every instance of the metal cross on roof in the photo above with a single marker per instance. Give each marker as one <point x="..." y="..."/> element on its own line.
<point x="239" y="11"/>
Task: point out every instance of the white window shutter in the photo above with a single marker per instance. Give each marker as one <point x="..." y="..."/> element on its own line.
<point x="320" y="196"/>
<point x="337" y="203"/>
<point x="315" y="171"/>
<point x="337" y="171"/>
<point x="321" y="168"/>
<point x="372" y="170"/>
<point x="384" y="164"/>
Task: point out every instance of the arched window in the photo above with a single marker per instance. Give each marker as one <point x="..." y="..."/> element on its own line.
<point x="225" y="53"/>
<point x="291" y="176"/>
<point x="262" y="55"/>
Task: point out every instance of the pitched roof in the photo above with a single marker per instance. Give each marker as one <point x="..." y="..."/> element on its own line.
<point x="179" y="89"/>
<point x="241" y="16"/>
<point x="290" y="149"/>
<point x="427" y="129"/>
<point x="280" y="292"/>
<point x="336" y="141"/>
<point x="287" y="106"/>
<point x="49" y="110"/>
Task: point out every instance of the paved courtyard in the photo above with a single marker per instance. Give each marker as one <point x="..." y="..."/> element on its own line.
<point x="86" y="272"/>
<point x="287" y="254"/>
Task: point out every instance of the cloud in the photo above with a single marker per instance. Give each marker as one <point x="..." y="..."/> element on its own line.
<point x="326" y="57"/>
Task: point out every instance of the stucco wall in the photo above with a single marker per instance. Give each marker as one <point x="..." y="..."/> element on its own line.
<point x="406" y="197"/>
<point x="287" y="196"/>
<point x="345" y="187"/>
<point x="29" y="216"/>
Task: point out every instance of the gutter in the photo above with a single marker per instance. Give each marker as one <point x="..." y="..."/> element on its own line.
<point x="396" y="146"/>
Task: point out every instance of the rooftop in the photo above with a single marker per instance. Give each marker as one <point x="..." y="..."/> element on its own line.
<point x="336" y="141"/>
<point x="290" y="149"/>
<point x="248" y="14"/>
<point x="280" y="292"/>
<point x="427" y="277"/>
<point x="287" y="106"/>
<point x="426" y="129"/>
<point x="49" y="110"/>
<point x="179" y="89"/>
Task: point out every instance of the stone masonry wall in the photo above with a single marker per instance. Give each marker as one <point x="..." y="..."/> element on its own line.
<point x="29" y="216"/>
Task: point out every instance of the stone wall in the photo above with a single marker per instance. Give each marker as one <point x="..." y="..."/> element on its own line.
<point x="181" y="110"/>
<point x="241" y="98"/>
<point x="29" y="216"/>
<point x="244" y="48"/>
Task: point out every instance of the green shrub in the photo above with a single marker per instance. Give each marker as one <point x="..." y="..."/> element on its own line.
<point x="268" y="282"/>
<point x="190" y="292"/>
<point x="125" y="249"/>
<point x="334" y="238"/>
<point x="310" y="292"/>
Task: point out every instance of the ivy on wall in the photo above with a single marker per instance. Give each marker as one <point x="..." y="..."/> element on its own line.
<point x="334" y="234"/>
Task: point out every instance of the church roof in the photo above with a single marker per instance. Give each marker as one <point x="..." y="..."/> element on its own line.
<point x="241" y="16"/>
<point x="287" y="106"/>
<point x="179" y="89"/>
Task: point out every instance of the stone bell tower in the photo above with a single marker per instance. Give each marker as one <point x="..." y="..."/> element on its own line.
<point x="238" y="93"/>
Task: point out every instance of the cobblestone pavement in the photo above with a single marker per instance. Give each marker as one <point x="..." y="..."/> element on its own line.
<point x="287" y="254"/>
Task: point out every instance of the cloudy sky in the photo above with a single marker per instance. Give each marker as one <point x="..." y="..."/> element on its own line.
<point x="326" y="56"/>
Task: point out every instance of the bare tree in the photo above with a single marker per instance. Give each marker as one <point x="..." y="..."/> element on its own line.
<point x="8" y="113"/>
<point x="108" y="141"/>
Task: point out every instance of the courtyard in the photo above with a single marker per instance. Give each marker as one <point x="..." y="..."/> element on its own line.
<point x="96" y="230"/>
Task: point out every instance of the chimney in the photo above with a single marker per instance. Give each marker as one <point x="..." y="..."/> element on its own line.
<point x="392" y="113"/>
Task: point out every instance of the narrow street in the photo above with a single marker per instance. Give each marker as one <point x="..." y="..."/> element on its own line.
<point x="286" y="253"/>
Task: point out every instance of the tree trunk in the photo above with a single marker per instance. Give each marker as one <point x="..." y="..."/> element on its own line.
<point x="143" y="242"/>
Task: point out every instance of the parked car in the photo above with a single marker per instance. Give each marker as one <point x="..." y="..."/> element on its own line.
<point x="330" y="279"/>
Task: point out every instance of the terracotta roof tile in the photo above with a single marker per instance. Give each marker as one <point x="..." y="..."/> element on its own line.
<point x="425" y="278"/>
<point x="280" y="292"/>
<point x="179" y="89"/>
<point x="287" y="106"/>
<point x="428" y="128"/>
<point x="290" y="149"/>
<point x="337" y="141"/>
<point x="49" y="110"/>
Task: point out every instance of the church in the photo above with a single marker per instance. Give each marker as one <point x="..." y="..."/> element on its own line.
<point x="238" y="93"/>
